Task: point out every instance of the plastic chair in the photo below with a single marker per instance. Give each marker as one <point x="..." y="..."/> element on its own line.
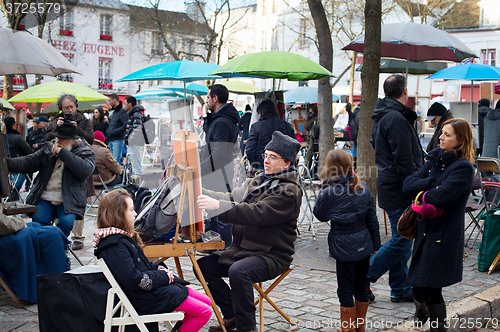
<point x="127" y="313"/>
<point x="263" y="295"/>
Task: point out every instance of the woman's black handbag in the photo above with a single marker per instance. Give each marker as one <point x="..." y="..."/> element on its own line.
<point x="407" y="223"/>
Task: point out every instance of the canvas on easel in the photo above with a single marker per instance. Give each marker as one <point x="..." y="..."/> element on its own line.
<point x="186" y="154"/>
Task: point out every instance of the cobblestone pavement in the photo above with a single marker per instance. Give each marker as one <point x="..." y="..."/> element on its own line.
<point x="307" y="294"/>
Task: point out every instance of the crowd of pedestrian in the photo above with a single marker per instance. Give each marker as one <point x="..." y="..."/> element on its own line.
<point x="258" y="221"/>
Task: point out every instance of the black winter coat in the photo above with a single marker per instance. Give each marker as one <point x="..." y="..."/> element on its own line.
<point x="117" y="124"/>
<point x="134" y="134"/>
<point x="36" y="136"/>
<point x="261" y="133"/>
<point x="17" y="145"/>
<point x="437" y="257"/>
<point x="482" y="111"/>
<point x="79" y="164"/>
<point x="491" y="134"/>
<point x="145" y="286"/>
<point x="83" y="127"/>
<point x="221" y="130"/>
<point x="398" y="153"/>
<point x="354" y="230"/>
<point x="434" y="143"/>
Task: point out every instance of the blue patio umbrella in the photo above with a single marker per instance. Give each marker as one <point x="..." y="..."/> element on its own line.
<point x="469" y="72"/>
<point x="191" y="88"/>
<point x="303" y="95"/>
<point x="154" y="91"/>
<point x="182" y="70"/>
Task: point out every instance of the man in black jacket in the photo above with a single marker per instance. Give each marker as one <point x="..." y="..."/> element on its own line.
<point x="17" y="147"/>
<point x="262" y="132"/>
<point x="59" y="190"/>
<point x="437" y="114"/>
<point x="217" y="166"/>
<point x="117" y="127"/>
<point x="398" y="154"/>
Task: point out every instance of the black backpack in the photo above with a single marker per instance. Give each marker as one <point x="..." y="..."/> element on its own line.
<point x="159" y="214"/>
<point x="148" y="129"/>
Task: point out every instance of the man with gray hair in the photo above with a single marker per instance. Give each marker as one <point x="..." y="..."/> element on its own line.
<point x="68" y="107"/>
<point x="264" y="214"/>
<point x="59" y="190"/>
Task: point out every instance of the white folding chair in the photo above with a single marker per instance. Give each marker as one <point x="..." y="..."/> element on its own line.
<point x="128" y="315"/>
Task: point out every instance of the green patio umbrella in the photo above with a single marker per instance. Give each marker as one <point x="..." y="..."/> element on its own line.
<point x="6" y="104"/>
<point x="51" y="91"/>
<point x="273" y="64"/>
<point x="240" y="87"/>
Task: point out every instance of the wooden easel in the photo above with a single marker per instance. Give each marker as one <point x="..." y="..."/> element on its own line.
<point x="164" y="251"/>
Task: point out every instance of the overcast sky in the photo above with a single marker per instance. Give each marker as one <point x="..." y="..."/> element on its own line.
<point x="178" y="5"/>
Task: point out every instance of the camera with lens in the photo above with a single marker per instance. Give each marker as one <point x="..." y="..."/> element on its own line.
<point x="69" y="117"/>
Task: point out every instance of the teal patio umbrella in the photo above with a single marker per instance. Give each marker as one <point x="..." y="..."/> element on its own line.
<point x="191" y="88"/>
<point x="468" y="72"/>
<point x="303" y="95"/>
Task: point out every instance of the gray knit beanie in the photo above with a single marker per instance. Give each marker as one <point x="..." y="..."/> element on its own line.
<point x="284" y="145"/>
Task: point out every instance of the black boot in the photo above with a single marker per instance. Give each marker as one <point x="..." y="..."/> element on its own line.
<point x="421" y="314"/>
<point x="437" y="316"/>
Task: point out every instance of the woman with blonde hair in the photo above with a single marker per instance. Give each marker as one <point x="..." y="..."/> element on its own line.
<point x="151" y="288"/>
<point x="354" y="235"/>
<point x="445" y="182"/>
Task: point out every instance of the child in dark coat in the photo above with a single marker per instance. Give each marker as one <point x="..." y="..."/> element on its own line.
<point x="354" y="236"/>
<point x="151" y="288"/>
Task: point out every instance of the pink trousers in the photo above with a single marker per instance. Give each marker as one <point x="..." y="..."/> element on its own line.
<point x="197" y="311"/>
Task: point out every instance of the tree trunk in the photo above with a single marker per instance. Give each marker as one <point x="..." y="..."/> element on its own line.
<point x="369" y="91"/>
<point x="325" y="119"/>
<point x="8" y="87"/>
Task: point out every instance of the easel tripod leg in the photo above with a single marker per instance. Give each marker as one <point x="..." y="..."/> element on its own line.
<point x="197" y="270"/>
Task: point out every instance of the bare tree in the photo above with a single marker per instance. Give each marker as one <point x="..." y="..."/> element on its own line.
<point x="326" y="136"/>
<point x="369" y="93"/>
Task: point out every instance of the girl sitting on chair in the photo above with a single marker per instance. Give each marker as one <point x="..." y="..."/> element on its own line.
<point x="151" y="288"/>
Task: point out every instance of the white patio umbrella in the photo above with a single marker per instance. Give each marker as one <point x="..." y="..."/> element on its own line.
<point x="23" y="53"/>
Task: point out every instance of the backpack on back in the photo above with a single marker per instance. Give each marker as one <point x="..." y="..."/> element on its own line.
<point x="159" y="214"/>
<point x="148" y="129"/>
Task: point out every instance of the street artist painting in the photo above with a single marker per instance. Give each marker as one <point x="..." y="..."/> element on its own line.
<point x="264" y="214"/>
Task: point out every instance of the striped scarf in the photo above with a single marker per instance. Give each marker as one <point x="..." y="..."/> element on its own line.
<point x="101" y="233"/>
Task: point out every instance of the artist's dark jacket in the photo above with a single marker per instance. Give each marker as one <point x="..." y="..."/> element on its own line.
<point x="79" y="164"/>
<point x="117" y="124"/>
<point x="83" y="127"/>
<point x="261" y="133"/>
<point x="264" y="218"/>
<point x="438" y="251"/>
<point x="398" y="153"/>
<point x="148" y="288"/>
<point x="221" y="130"/>
<point x="354" y="231"/>
<point x="17" y="145"/>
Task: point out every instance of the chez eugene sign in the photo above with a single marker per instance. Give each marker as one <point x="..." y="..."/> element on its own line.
<point x="64" y="45"/>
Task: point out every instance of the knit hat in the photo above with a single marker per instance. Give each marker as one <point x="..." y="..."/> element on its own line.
<point x="435" y="109"/>
<point x="484" y="102"/>
<point x="99" y="136"/>
<point x="283" y="145"/>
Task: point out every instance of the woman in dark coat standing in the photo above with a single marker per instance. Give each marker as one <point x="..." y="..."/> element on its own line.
<point x="100" y="121"/>
<point x="437" y="257"/>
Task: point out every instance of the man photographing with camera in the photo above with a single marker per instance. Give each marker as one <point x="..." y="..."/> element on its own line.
<point x="68" y="107"/>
